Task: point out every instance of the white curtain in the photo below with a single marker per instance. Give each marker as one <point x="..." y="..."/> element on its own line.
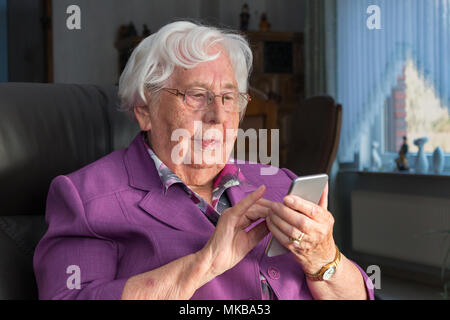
<point x="320" y="47"/>
<point x="370" y="60"/>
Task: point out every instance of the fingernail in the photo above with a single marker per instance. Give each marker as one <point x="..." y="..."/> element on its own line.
<point x="289" y="200"/>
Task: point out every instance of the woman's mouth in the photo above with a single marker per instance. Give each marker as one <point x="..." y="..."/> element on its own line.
<point x="208" y="144"/>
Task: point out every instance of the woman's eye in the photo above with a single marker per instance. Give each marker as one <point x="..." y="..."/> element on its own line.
<point x="229" y="97"/>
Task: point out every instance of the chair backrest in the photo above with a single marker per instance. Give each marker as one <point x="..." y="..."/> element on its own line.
<point x="260" y="114"/>
<point x="46" y="130"/>
<point x="315" y="131"/>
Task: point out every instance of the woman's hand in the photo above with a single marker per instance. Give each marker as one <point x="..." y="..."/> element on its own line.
<point x="298" y="216"/>
<point x="228" y="245"/>
<point x="230" y="241"/>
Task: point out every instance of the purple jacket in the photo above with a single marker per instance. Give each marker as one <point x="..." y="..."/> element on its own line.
<point x="111" y="221"/>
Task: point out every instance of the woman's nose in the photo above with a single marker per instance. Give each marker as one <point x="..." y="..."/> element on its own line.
<point x="215" y="112"/>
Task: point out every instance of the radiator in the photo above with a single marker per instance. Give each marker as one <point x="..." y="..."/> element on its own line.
<point x="395" y="226"/>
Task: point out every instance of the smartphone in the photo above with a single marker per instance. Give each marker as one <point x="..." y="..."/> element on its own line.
<point x="307" y="187"/>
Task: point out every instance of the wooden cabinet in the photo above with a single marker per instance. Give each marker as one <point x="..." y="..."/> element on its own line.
<point x="278" y="72"/>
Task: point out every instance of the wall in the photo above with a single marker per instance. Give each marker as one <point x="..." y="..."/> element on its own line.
<point x="25" y="41"/>
<point x="415" y="187"/>
<point x="3" y="42"/>
<point x="88" y="55"/>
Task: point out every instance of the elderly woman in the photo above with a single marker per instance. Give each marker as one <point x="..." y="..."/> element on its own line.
<point x="158" y="221"/>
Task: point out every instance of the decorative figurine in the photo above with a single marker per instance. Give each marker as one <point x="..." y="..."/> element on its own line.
<point x="264" y="25"/>
<point x="245" y="17"/>
<point x="402" y="161"/>
<point x="131" y="31"/>
<point x="145" y="31"/>
<point x="438" y="160"/>
<point x="375" y="157"/>
<point x="421" y="161"/>
<point x="126" y="40"/>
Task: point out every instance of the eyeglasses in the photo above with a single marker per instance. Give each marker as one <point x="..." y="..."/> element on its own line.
<point x="200" y="99"/>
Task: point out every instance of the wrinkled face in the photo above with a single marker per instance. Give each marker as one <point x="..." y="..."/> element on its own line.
<point x="190" y="139"/>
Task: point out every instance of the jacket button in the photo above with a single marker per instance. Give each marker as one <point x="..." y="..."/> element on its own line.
<point x="273" y="273"/>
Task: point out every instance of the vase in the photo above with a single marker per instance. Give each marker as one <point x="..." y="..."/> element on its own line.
<point x="421" y="160"/>
<point x="376" y="162"/>
<point x="438" y="160"/>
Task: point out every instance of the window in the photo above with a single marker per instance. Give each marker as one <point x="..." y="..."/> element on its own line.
<point x="393" y="80"/>
<point x="415" y="110"/>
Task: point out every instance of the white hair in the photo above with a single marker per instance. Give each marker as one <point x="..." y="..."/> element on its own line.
<point x="178" y="44"/>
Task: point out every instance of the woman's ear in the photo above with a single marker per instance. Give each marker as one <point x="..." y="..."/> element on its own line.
<point x="142" y="114"/>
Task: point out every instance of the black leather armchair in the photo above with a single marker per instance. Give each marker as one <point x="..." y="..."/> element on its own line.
<point x="46" y="130"/>
<point x="316" y="127"/>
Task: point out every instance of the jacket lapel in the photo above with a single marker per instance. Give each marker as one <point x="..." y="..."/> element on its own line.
<point x="177" y="210"/>
<point x="173" y="208"/>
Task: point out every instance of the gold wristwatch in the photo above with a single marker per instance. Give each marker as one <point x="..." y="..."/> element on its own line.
<point x="328" y="270"/>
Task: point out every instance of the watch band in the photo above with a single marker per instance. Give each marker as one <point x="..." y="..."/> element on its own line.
<point x="330" y="267"/>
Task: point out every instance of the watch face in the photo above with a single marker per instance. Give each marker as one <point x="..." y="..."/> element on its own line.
<point x="329" y="273"/>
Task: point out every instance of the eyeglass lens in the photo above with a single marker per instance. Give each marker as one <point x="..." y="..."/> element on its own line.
<point x="199" y="99"/>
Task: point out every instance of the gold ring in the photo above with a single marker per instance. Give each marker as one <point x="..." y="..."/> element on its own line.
<point x="297" y="240"/>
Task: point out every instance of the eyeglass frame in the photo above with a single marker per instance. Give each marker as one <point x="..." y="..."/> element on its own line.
<point x="177" y="93"/>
